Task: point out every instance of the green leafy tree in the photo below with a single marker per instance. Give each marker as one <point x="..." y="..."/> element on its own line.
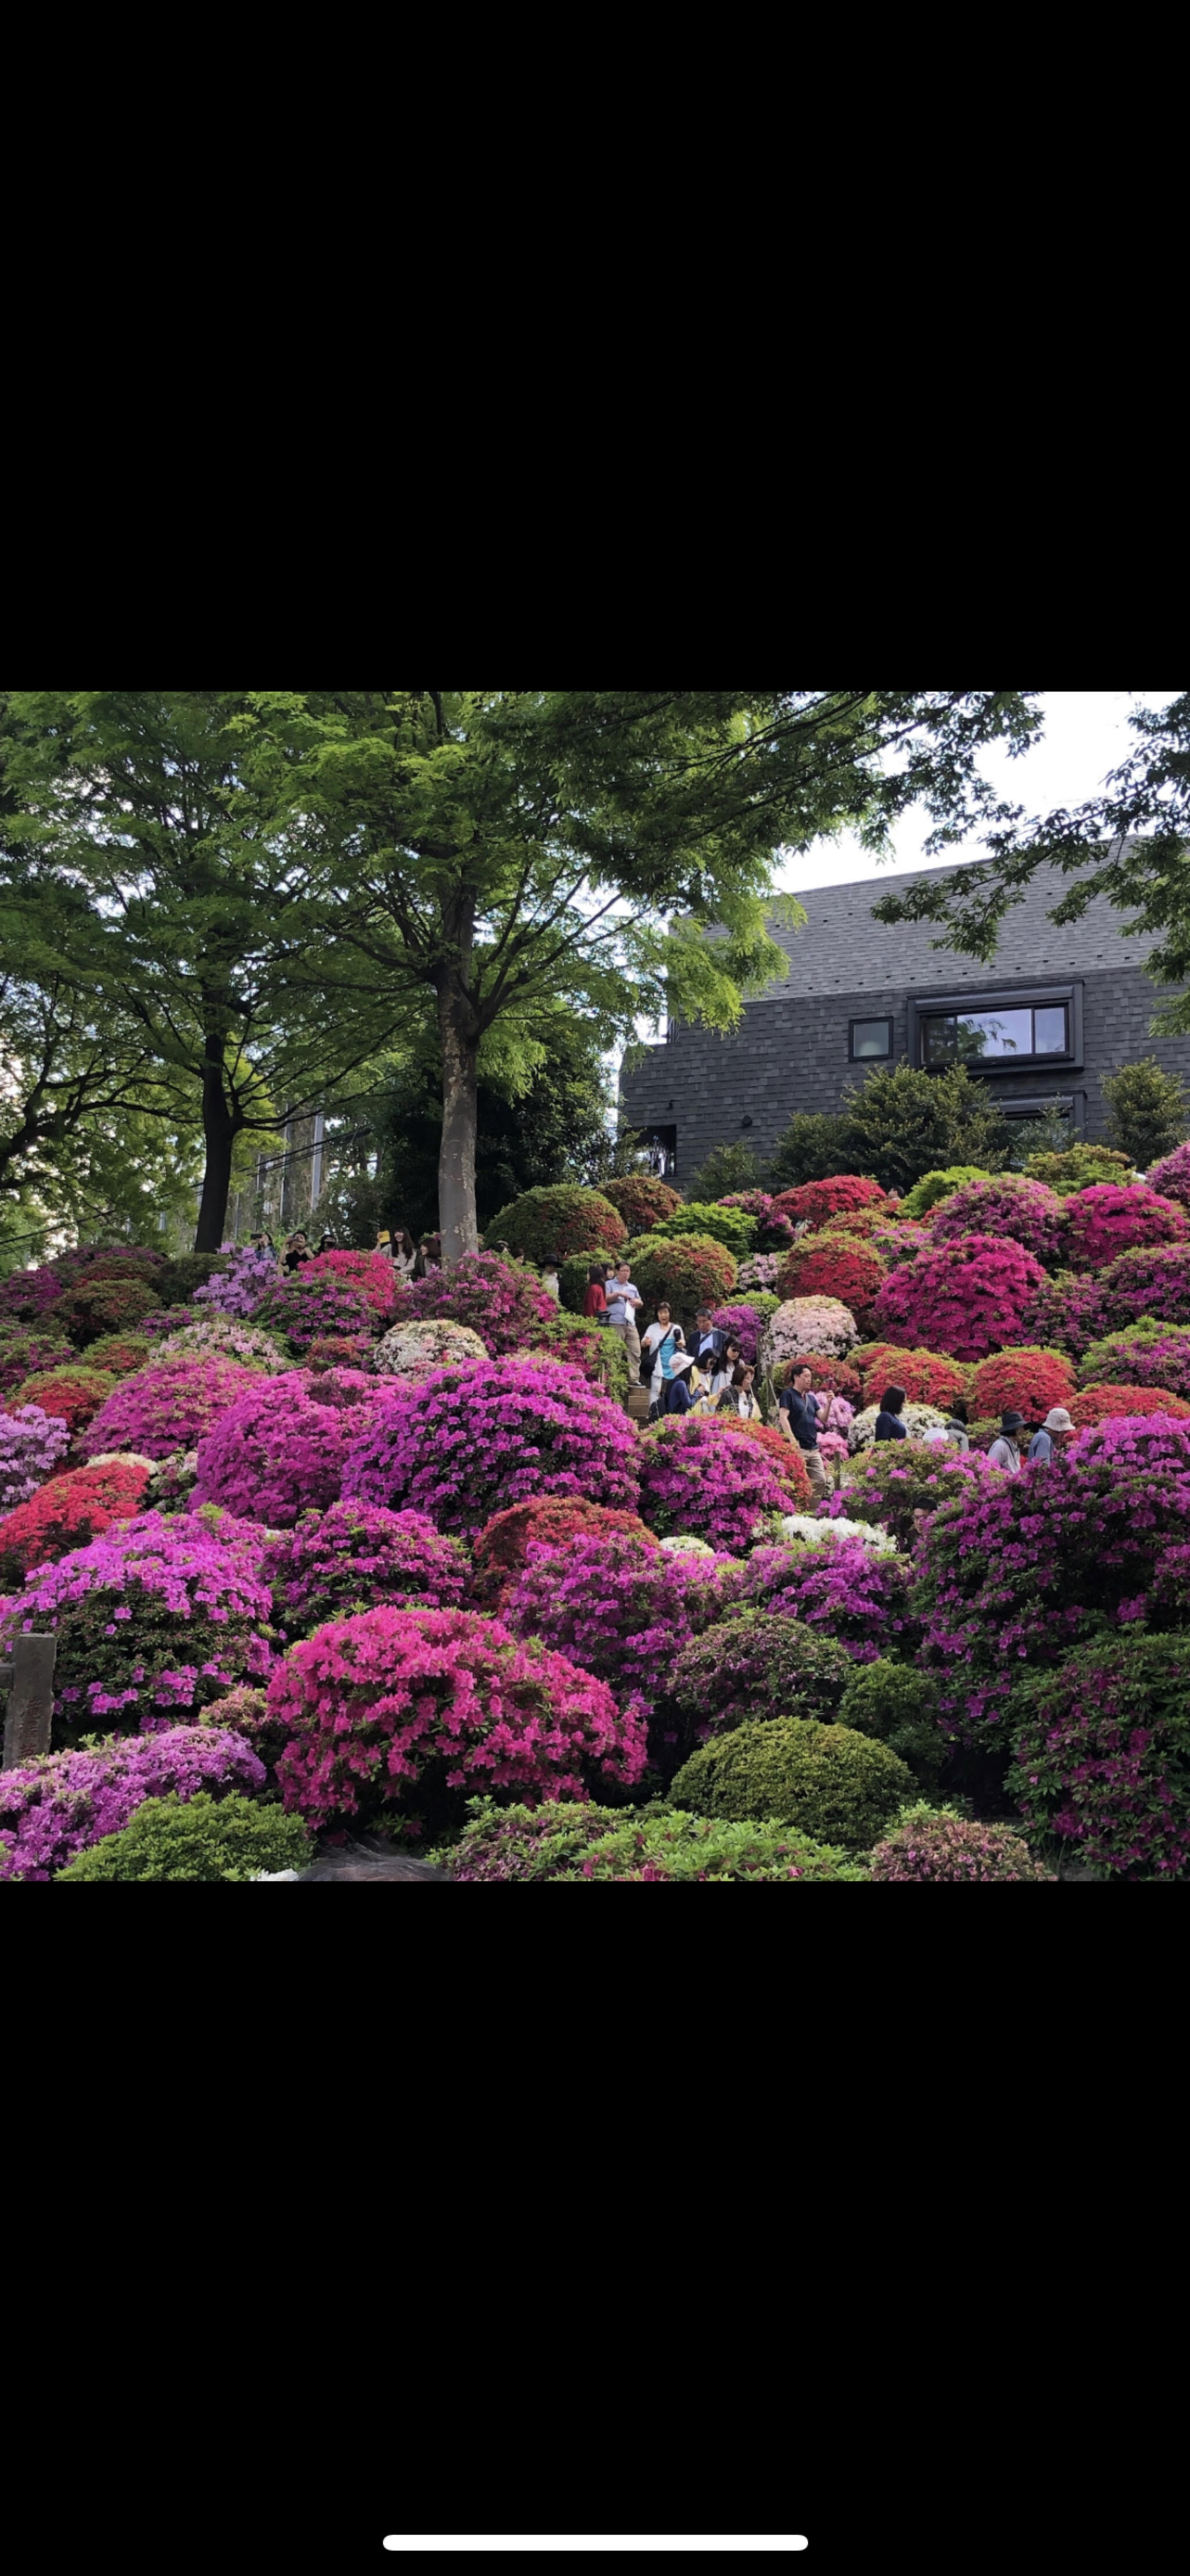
<point x="727" y="1169"/>
<point x="897" y="1126"/>
<point x="812" y="1148"/>
<point x="1149" y="1113"/>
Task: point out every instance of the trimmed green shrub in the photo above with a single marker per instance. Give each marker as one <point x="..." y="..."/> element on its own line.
<point x="560" y="1840"/>
<point x="727" y="1225"/>
<point x="761" y="1300"/>
<point x="898" y="1705"/>
<point x="547" y="1224"/>
<point x="827" y="1781"/>
<point x="689" y="1270"/>
<point x="588" y="1346"/>
<point x="574" y="1277"/>
<point x="1078" y="1169"/>
<point x="933" y="1186"/>
<point x="196" y="1838"/>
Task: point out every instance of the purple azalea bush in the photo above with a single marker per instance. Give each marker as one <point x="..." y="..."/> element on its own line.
<point x="275" y="1454"/>
<point x="700" y="1481"/>
<point x="741" y="1324"/>
<point x="239" y="1289"/>
<point x="153" y="1620"/>
<point x="619" y="1609"/>
<point x="1144" y="1354"/>
<point x="53" y="1808"/>
<point x="470" y="1441"/>
<point x="31" y="1443"/>
<point x="356" y="1554"/>
<point x="1171" y="1176"/>
<point x="500" y="1300"/>
<point x="844" y="1590"/>
<point x="167" y="1405"/>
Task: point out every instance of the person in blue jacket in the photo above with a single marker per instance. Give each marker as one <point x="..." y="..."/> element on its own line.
<point x="889" y="1425"/>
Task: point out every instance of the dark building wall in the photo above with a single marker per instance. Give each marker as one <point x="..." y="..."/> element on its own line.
<point x="790" y="1051"/>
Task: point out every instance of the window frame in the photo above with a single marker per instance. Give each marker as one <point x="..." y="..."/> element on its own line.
<point x="928" y="1006"/>
<point x="867" y="1020"/>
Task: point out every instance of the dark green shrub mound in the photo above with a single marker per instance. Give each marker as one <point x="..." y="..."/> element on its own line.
<point x="580" y="1841"/>
<point x="749" y="1666"/>
<point x="727" y="1225"/>
<point x="199" y="1837"/>
<point x="547" y="1224"/>
<point x="1102" y="1750"/>
<point x="825" y="1781"/>
<point x="178" y="1279"/>
<point x="900" y="1706"/>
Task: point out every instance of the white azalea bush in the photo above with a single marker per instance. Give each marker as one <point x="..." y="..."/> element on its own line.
<point x="684" y="1546"/>
<point x="917" y="1418"/>
<point x="427" y="1342"/>
<point x="801" y="1529"/>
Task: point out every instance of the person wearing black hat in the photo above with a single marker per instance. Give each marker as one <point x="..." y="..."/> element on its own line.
<point x="1004" y="1451"/>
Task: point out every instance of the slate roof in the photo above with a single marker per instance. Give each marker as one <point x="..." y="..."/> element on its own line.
<point x="842" y="949"/>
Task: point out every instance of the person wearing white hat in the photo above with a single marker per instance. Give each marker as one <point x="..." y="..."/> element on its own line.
<point x="1057" y="1427"/>
<point x="684" y="1389"/>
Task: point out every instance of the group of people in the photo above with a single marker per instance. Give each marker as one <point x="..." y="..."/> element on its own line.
<point x="297" y="1248"/>
<point x="410" y="1260"/>
<point x="1047" y="1438"/>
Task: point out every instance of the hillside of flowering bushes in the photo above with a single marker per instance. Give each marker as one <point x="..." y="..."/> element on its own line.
<point x="406" y="1560"/>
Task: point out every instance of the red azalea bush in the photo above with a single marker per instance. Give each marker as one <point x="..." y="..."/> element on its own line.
<point x="1142" y="1355"/>
<point x="1020" y="1569"/>
<point x="1097" y="1403"/>
<point x="1006" y="1206"/>
<point x="275" y="1454"/>
<point x="697" y="1481"/>
<point x="1026" y="1381"/>
<point x="685" y="1270"/>
<point x="26" y="1295"/>
<point x="397" y="1717"/>
<point x="640" y="1200"/>
<point x="153" y="1619"/>
<point x="28" y="1355"/>
<point x="927" y="1376"/>
<point x="338" y="1350"/>
<point x="837" y="1376"/>
<point x="1103" y="1754"/>
<point x="833" y="1265"/>
<point x="120" y="1353"/>
<point x="104" y="1305"/>
<point x="618" y="1606"/>
<point x="939" y="1848"/>
<point x="1109" y="1219"/>
<point x="305" y="1308"/>
<point x="547" y="1224"/>
<point x="368" y="1272"/>
<point x="843" y="1591"/>
<point x="345" y="1560"/>
<point x="501" y="1549"/>
<point x="1171" y="1176"/>
<point x="896" y="1481"/>
<point x="72" y="1395"/>
<point x="467" y="1441"/>
<point x="67" y="1512"/>
<point x="167" y="1406"/>
<point x="499" y="1300"/>
<point x="815" y="1201"/>
<point x="967" y="1299"/>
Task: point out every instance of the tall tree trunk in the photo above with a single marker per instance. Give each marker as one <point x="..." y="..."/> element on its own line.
<point x="219" y="1132"/>
<point x="456" y="1161"/>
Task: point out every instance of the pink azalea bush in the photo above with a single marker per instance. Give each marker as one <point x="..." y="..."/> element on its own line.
<point x="275" y="1454"/>
<point x="966" y="1299"/>
<point x="398" y="1716"/>
<point x="500" y="1300"/>
<point x="369" y="1272"/>
<point x="759" y="1271"/>
<point x="347" y="1559"/>
<point x="937" y="1849"/>
<point x="698" y="1480"/>
<point x="61" y="1805"/>
<point x="304" y="1308"/>
<point x="1008" y="1206"/>
<point x="470" y="1441"/>
<point x="845" y="1591"/>
<point x="619" y="1608"/>
<point x="1103" y="1755"/>
<point x="231" y="1338"/>
<point x="153" y="1620"/>
<point x="805" y="1324"/>
<point x="167" y="1406"/>
<point x="1142" y="1355"/>
<point x="1019" y="1569"/>
<point x="1109" y="1219"/>
<point x="31" y="1445"/>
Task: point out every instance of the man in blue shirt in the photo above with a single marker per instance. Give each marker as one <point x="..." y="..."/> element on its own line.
<point x="800" y="1422"/>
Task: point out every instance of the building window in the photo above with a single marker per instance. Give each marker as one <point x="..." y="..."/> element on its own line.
<point x="999" y="1031"/>
<point x="869" y="1039"/>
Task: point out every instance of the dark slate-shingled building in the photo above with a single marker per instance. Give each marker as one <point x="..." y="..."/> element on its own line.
<point x="1059" y="1009"/>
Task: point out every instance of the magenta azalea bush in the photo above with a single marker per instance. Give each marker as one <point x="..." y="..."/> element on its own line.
<point x="167" y="1406"/>
<point x="966" y="1299"/>
<point x="471" y="1441"/>
<point x="1103" y="1755"/>
<point x="1152" y="1283"/>
<point x="1171" y="1176"/>
<point x="1109" y="1219"/>
<point x="26" y="1294"/>
<point x="31" y="1444"/>
<point x="305" y="1308"/>
<point x="1142" y="1355"/>
<point x="396" y="1717"/>
<point x="274" y="1454"/>
<point x="153" y="1620"/>
<point x="619" y="1608"/>
<point x="52" y="1809"/>
<point x="1068" y="1312"/>
<point x="347" y="1559"/>
<point x="1007" y="1207"/>
<point x="699" y="1480"/>
<point x="1020" y="1569"/>
<point x="845" y="1591"/>
<point x="500" y="1300"/>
